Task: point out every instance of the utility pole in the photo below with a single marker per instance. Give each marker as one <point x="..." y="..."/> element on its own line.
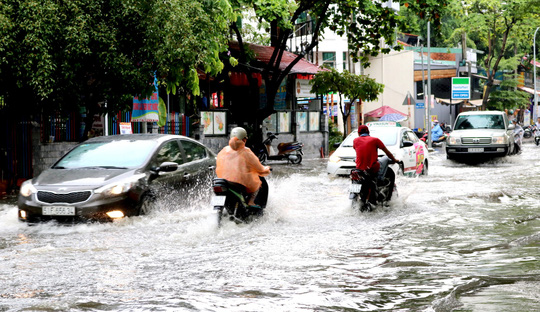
<point x="428" y="91"/>
<point x="535" y="107"/>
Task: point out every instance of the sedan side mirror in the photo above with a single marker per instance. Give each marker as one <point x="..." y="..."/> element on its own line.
<point x="167" y="166"/>
<point x="511" y="127"/>
<point x="407" y="143"/>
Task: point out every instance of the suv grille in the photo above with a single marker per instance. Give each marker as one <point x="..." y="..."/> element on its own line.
<point x="69" y="198"/>
<point x="476" y="140"/>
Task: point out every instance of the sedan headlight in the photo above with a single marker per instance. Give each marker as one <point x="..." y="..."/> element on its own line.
<point x="27" y="188"/>
<point x="334" y="159"/>
<point x="452" y="140"/>
<point x="497" y="140"/>
<point x="117" y="188"/>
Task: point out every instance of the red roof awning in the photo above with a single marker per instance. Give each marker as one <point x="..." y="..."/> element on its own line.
<point x="264" y="53"/>
<point x="383" y="110"/>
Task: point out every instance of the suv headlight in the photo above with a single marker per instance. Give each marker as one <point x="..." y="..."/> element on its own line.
<point x="27" y="188"/>
<point x="452" y="140"/>
<point x="497" y="140"/>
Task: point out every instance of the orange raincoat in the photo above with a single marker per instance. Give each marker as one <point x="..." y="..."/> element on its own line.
<point x="237" y="163"/>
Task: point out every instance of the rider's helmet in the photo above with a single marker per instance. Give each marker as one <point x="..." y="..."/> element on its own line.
<point x="239" y="133"/>
<point x="363" y="129"/>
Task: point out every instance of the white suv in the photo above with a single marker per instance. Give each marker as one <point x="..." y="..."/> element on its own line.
<point x="487" y="133"/>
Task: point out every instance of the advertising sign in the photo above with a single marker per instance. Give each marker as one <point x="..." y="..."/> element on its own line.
<point x="303" y="88"/>
<point x="146" y="110"/>
<point x="461" y="88"/>
<point x="125" y="128"/>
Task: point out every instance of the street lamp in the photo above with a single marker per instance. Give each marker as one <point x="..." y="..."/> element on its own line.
<point x="535" y="106"/>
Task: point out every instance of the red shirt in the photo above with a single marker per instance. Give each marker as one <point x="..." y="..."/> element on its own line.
<point x="366" y="153"/>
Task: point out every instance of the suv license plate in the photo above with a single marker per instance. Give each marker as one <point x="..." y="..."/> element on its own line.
<point x="476" y="150"/>
<point x="355" y="188"/>
<point x="218" y="200"/>
<point x="58" y="211"/>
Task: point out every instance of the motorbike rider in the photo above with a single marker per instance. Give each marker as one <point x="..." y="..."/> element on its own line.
<point x="518" y="134"/>
<point x="436" y="131"/>
<point x="237" y="163"/>
<point x="366" y="153"/>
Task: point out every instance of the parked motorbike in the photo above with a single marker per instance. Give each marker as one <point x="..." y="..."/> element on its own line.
<point x="366" y="192"/>
<point x="291" y="151"/>
<point x="230" y="201"/>
<point x="528" y="131"/>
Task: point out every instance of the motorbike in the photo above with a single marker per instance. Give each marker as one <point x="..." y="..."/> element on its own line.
<point x="366" y="192"/>
<point x="291" y="151"/>
<point x="230" y="201"/>
<point x="528" y="131"/>
<point x="537" y="136"/>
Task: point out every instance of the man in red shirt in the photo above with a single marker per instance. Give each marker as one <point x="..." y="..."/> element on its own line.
<point x="366" y="153"/>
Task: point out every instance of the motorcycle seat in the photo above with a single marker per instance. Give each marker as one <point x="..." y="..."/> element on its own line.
<point x="233" y="185"/>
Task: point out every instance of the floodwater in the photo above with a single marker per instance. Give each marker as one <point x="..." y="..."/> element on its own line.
<point x="464" y="238"/>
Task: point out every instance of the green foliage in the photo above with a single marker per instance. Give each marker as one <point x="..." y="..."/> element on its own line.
<point x="507" y="96"/>
<point x="64" y="54"/>
<point x="334" y="135"/>
<point x="354" y="87"/>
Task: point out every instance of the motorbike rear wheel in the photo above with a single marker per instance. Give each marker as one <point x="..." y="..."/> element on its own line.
<point x="537" y="140"/>
<point x="296" y="160"/>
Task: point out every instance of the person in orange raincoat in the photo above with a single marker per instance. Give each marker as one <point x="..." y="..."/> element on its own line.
<point x="237" y="163"/>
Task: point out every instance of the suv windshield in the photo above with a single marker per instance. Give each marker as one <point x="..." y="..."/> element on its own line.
<point x="479" y="122"/>
<point x="107" y="154"/>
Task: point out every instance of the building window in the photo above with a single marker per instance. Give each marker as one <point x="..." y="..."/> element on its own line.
<point x="329" y="58"/>
<point x="344" y="60"/>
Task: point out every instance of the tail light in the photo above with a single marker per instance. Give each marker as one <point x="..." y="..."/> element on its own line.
<point x="356" y="175"/>
<point x="219" y="188"/>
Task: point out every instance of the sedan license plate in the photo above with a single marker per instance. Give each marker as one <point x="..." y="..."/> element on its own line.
<point x="355" y="188"/>
<point x="476" y="150"/>
<point x="218" y="200"/>
<point x="58" y="211"/>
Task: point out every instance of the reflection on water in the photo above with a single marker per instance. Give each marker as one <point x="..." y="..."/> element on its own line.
<point x="454" y="240"/>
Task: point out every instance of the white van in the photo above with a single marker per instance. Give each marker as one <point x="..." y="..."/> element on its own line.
<point x="487" y="133"/>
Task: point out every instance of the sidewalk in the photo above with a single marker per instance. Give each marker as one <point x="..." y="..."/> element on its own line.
<point x="10" y="199"/>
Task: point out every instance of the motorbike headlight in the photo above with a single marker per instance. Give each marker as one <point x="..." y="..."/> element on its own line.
<point x="497" y="140"/>
<point x="334" y="159"/>
<point x="27" y="188"/>
<point x="454" y="140"/>
<point x="117" y="188"/>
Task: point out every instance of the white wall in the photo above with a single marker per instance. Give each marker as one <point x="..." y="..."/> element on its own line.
<point x="396" y="71"/>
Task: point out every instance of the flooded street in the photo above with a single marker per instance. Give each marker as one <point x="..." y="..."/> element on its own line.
<point x="464" y="238"/>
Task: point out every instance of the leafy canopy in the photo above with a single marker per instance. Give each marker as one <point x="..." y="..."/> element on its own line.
<point x="56" y="54"/>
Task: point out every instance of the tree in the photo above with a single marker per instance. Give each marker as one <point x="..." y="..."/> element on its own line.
<point x="367" y="24"/>
<point x="62" y="55"/>
<point x="355" y="87"/>
<point x="497" y="26"/>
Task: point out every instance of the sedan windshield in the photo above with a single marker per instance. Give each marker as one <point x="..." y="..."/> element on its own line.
<point x="479" y="122"/>
<point x="388" y="135"/>
<point x="110" y="155"/>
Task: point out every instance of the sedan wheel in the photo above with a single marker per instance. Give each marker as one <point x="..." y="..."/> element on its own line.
<point x="424" y="169"/>
<point x="146" y="206"/>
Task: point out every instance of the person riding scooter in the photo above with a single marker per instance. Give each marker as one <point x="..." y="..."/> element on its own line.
<point x="237" y="163"/>
<point x="366" y="153"/>
<point x="518" y="136"/>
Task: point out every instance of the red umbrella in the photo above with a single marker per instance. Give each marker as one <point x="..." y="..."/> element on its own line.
<point x="383" y="110"/>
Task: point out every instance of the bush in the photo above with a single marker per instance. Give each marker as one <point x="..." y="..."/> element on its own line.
<point x="334" y="135"/>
